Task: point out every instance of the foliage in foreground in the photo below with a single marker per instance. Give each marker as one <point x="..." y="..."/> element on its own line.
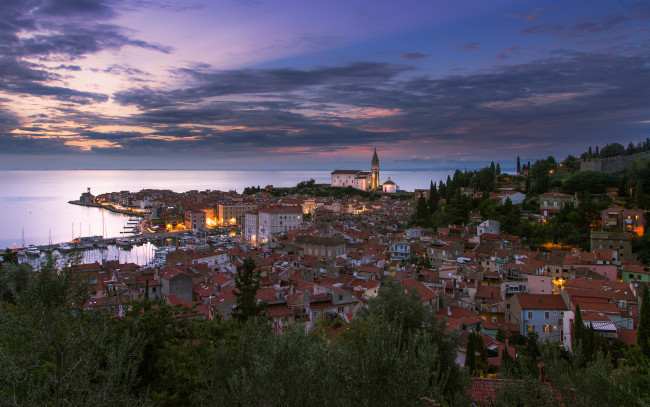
<point x="54" y="354"/>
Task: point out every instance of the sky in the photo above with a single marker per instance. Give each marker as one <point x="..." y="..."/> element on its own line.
<point x="256" y="84"/>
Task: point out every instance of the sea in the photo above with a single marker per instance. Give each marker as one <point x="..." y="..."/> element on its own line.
<point x="34" y="205"/>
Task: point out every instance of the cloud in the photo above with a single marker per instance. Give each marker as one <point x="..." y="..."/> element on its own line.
<point x="531" y="16"/>
<point x="468" y="46"/>
<point x="56" y="30"/>
<point x="639" y="12"/>
<point x="413" y="56"/>
<point x="576" y="97"/>
<point x="258" y="81"/>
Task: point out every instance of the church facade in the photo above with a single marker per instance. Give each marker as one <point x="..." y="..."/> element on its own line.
<point x="363" y="180"/>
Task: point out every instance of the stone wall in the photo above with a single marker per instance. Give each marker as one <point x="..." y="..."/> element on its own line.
<point x="611" y="165"/>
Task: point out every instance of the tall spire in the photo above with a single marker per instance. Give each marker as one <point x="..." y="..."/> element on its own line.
<point x="374" y="168"/>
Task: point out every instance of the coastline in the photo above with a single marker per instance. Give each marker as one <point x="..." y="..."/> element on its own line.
<point x="111" y="208"/>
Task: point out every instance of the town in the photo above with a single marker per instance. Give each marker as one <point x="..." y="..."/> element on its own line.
<point x="500" y="259"/>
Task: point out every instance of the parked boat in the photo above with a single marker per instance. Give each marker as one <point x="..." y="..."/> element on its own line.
<point x="33" y="251"/>
<point x="64" y="247"/>
<point x="123" y="243"/>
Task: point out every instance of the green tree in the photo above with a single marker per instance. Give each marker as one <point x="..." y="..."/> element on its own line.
<point x="422" y="210"/>
<point x="10" y="256"/>
<point x="470" y="354"/>
<point x="612" y="150"/>
<point x="434" y="199"/>
<point x="518" y="165"/>
<point x="247" y="283"/>
<point x="639" y="197"/>
<point x="643" y="330"/>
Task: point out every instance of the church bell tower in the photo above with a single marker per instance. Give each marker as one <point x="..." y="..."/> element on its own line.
<point x="374" y="167"/>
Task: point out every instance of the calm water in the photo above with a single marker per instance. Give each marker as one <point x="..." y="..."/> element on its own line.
<point x="35" y="203"/>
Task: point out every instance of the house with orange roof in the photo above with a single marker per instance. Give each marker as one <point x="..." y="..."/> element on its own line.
<point x="540" y="313"/>
<point x="176" y="282"/>
<point x="429" y="296"/>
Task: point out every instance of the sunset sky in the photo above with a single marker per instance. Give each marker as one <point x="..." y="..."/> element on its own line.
<point x="255" y="84"/>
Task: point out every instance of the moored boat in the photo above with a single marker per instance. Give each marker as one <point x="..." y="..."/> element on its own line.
<point x="33" y="251"/>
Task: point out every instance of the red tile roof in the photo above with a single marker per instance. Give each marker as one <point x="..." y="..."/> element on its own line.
<point x="540" y="301"/>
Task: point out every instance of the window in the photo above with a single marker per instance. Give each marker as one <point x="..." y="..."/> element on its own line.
<point x="548" y="328"/>
<point x="530" y="314"/>
<point x="314" y="314"/>
<point x="547" y="314"/>
<point x="530" y="328"/>
<point x="494" y="320"/>
<point x="560" y="322"/>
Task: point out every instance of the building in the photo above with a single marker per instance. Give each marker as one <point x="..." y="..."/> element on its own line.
<point x="322" y="246"/>
<point x="540" y="313"/>
<point x="629" y="220"/>
<point x="195" y="219"/>
<point x="87" y="197"/>
<point x="176" y="282"/>
<point x="552" y="202"/>
<point x="262" y="224"/>
<point x="232" y="213"/>
<point x="363" y="180"/>
<point x="619" y="243"/>
<point x="210" y="258"/>
<point x="389" y="187"/>
<point x="489" y="226"/>
<point x="374" y="169"/>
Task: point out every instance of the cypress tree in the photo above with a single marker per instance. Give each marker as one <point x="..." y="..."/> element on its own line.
<point x="470" y="354"/>
<point x="518" y="165"/>
<point x="643" y="330"/>
<point x="578" y="328"/>
<point x="639" y="198"/>
<point x="501" y="336"/>
<point x="247" y="283"/>
<point x="498" y="170"/>
<point x="507" y="362"/>
<point x="422" y="210"/>
<point x="434" y="198"/>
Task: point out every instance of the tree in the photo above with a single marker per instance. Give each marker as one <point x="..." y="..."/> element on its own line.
<point x="612" y="150"/>
<point x="595" y="182"/>
<point x="643" y="330"/>
<point x="10" y="257"/>
<point x="470" y="354"/>
<point x="578" y="328"/>
<point x="434" y="198"/>
<point x="501" y="336"/>
<point x="639" y="198"/>
<point x="518" y="165"/>
<point x="247" y="283"/>
<point x="422" y="210"/>
<point x="507" y="362"/>
<point x="498" y="169"/>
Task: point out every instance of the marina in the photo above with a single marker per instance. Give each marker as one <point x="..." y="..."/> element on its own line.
<point x="150" y="250"/>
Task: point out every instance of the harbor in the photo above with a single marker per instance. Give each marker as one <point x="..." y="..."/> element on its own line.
<point x="143" y="250"/>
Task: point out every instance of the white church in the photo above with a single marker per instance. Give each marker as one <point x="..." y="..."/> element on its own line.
<point x="363" y="180"/>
